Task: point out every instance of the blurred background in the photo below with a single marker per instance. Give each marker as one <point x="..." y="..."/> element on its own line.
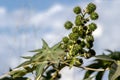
<point x="23" y="23"/>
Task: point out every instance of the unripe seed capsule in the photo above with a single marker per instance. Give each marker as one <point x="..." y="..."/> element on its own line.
<point x="75" y="29"/>
<point x="78" y="22"/>
<point x="77" y="10"/>
<point x="89" y="38"/>
<point x="65" y="39"/>
<point x="73" y="36"/>
<point x="82" y="44"/>
<point x="89" y="45"/>
<point x="92" y="26"/>
<point x="90" y="8"/>
<point x="68" y="25"/>
<point x="94" y="16"/>
<point x="93" y="53"/>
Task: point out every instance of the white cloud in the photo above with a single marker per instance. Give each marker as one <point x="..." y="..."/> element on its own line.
<point x="2" y="11"/>
<point x="109" y="21"/>
<point x="45" y="17"/>
<point x="98" y="1"/>
<point x="67" y="73"/>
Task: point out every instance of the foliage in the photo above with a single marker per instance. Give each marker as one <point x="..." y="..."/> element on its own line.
<point x="47" y="62"/>
<point x="109" y="62"/>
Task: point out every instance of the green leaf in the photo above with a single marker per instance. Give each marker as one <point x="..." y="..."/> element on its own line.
<point x="37" y="50"/>
<point x="114" y="71"/>
<point x="109" y="50"/>
<point x="18" y="73"/>
<point x="90" y="78"/>
<point x="99" y="75"/>
<point x="45" y="45"/>
<point x="24" y="64"/>
<point x="21" y="78"/>
<point x="18" y="78"/>
<point x="88" y="74"/>
<point x="39" y="70"/>
<point x="37" y="57"/>
<point x="93" y="65"/>
<point x="56" y="46"/>
<point x="26" y="57"/>
<point x="96" y="65"/>
<point x="104" y="57"/>
<point x="48" y="54"/>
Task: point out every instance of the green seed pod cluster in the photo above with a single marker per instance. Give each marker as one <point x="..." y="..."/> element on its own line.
<point x="80" y="40"/>
<point x="77" y="10"/>
<point x="76" y="49"/>
<point x="68" y="25"/>
<point x="90" y="8"/>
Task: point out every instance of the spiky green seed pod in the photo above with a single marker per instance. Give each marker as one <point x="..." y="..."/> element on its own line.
<point x="77" y="10"/>
<point x="89" y="38"/>
<point x="89" y="45"/>
<point x="70" y="42"/>
<point x="82" y="44"/>
<point x="82" y="33"/>
<point x="90" y="8"/>
<point x="78" y="22"/>
<point x="75" y="29"/>
<point x="92" y="26"/>
<point x="65" y="39"/>
<point x="73" y="36"/>
<point x="79" y="17"/>
<point x="68" y="25"/>
<point x="77" y="47"/>
<point x="94" y="16"/>
<point x="93" y="53"/>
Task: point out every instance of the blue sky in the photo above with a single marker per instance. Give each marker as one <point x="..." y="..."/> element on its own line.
<point x="23" y="23"/>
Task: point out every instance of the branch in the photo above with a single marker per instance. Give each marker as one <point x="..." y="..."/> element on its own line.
<point x="6" y="74"/>
<point x="87" y="68"/>
<point x="93" y="69"/>
<point x="16" y="69"/>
